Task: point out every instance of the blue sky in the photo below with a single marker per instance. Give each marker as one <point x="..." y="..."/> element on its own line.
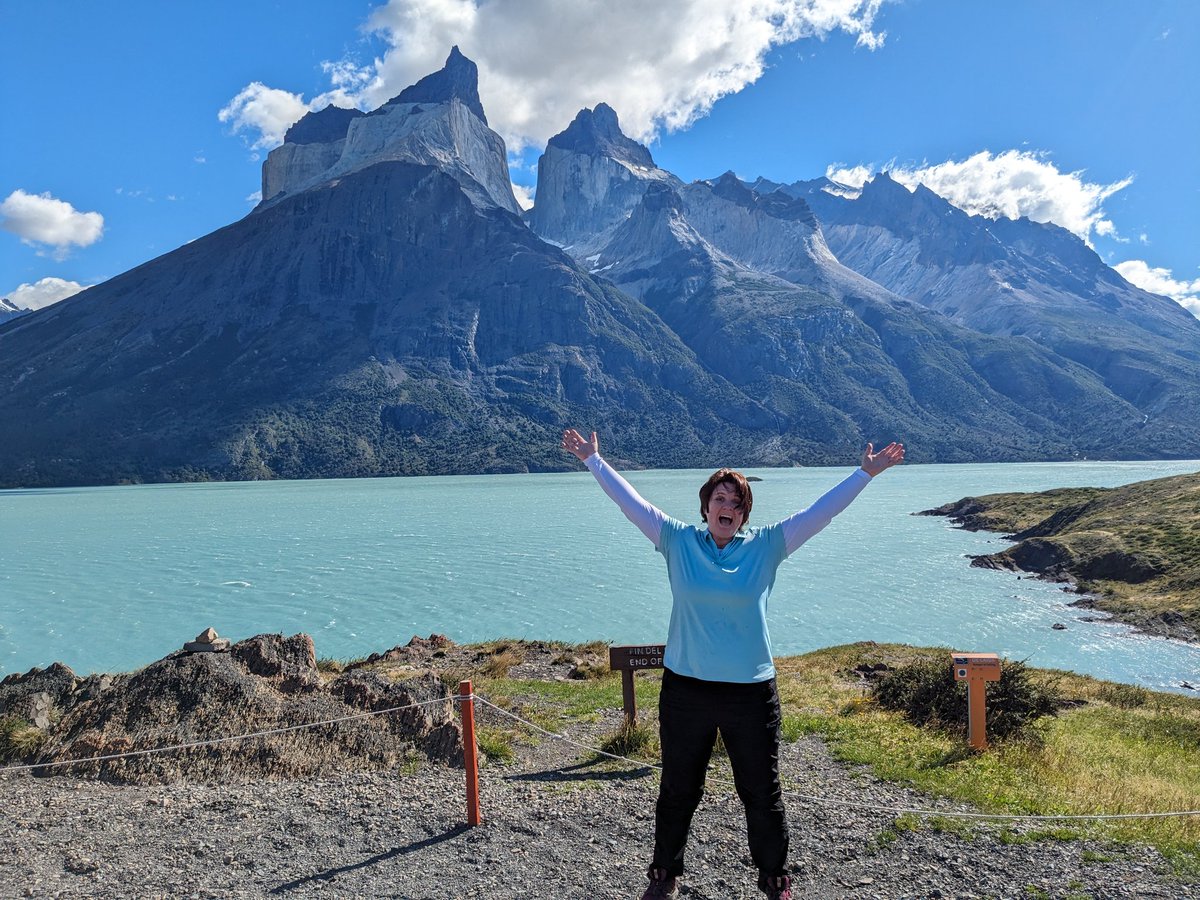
<point x="134" y="127"/>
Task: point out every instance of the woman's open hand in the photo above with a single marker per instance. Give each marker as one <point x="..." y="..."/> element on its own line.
<point x="573" y="442"/>
<point x="874" y="463"/>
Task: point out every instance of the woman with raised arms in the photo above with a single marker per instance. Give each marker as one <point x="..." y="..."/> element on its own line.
<point x="719" y="675"/>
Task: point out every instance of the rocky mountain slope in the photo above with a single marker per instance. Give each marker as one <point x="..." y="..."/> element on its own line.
<point x="715" y="258"/>
<point x="438" y="122"/>
<point x="1019" y="278"/>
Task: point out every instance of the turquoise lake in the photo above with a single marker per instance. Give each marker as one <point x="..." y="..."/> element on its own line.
<point x="109" y="579"/>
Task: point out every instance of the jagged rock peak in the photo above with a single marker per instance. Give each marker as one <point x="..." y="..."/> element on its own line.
<point x="597" y="132"/>
<point x="730" y="187"/>
<point x="661" y="197"/>
<point x="775" y="203"/>
<point x="322" y="127"/>
<point x="883" y="186"/>
<point x="458" y="78"/>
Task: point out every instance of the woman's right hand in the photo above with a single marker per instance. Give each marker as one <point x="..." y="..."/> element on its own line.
<point x="573" y="442"/>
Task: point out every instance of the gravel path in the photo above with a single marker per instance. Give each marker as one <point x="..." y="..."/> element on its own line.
<point x="555" y="826"/>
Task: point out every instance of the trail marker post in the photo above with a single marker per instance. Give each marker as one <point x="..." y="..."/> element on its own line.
<point x="977" y="669"/>
<point x="466" y="698"/>
<point x="629" y="659"/>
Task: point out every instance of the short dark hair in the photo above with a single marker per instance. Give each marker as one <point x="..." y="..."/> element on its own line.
<point x="739" y="483"/>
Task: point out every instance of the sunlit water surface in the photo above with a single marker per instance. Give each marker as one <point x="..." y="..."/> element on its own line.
<point x="108" y="579"/>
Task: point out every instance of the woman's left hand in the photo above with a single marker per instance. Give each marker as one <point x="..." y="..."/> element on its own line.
<point x="874" y="463"/>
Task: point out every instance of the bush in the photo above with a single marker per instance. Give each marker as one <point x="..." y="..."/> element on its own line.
<point x="19" y="739"/>
<point x="631" y="739"/>
<point x="926" y="692"/>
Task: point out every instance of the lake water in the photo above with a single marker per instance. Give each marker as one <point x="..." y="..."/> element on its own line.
<point x="109" y="579"/>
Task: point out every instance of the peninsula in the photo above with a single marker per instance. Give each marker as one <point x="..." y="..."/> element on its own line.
<point x="1133" y="551"/>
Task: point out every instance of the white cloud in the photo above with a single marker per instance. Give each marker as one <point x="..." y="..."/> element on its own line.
<point x="43" y="219"/>
<point x="269" y="111"/>
<point x="1019" y="183"/>
<point x="256" y="197"/>
<point x="1162" y="281"/>
<point x="850" y="176"/>
<point x="43" y="293"/>
<point x="1014" y="183"/>
<point x="659" y="65"/>
<point x="523" y="194"/>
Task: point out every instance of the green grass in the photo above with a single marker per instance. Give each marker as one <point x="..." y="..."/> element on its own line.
<point x="1140" y="753"/>
<point x="554" y="704"/>
<point x="496" y="743"/>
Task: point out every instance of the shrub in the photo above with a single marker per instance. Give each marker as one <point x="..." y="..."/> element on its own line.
<point x="1123" y="696"/>
<point x="631" y="739"/>
<point x="926" y="692"/>
<point x="19" y="739"/>
<point x="499" y="663"/>
<point x="591" y="671"/>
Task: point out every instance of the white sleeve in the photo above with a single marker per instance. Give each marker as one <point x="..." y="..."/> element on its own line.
<point x="800" y="526"/>
<point x="648" y="518"/>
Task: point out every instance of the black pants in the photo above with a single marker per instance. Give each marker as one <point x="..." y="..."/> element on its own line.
<point x="690" y="713"/>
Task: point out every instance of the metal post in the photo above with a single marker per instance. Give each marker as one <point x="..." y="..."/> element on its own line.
<point x="466" y="699"/>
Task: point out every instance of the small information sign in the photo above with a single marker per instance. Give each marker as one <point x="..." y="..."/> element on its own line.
<point x="976" y="669"/>
<point x="628" y="659"/>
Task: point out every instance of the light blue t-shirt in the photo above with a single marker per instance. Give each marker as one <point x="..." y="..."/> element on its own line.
<point x="718" y="629"/>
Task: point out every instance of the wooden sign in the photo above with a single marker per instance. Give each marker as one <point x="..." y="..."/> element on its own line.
<point x="976" y="669"/>
<point x="629" y="659"/>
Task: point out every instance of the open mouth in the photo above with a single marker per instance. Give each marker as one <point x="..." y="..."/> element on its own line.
<point x="725" y="520"/>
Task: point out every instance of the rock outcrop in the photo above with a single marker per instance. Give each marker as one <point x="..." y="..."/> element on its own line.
<point x="437" y="122"/>
<point x="589" y="179"/>
<point x="265" y="683"/>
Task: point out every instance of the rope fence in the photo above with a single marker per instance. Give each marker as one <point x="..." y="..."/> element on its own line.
<point x="467" y="699"/>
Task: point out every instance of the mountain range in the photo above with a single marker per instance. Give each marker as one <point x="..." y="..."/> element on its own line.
<point x="389" y="309"/>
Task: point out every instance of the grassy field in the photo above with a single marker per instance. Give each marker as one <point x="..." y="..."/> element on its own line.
<point x="1136" y="547"/>
<point x="1114" y="749"/>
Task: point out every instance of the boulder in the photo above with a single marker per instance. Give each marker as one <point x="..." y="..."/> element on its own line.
<point x="291" y="662"/>
<point x="56" y="682"/>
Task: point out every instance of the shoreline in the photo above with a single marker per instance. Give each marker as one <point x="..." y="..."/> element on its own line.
<point x="624" y="464"/>
<point x="1031" y="558"/>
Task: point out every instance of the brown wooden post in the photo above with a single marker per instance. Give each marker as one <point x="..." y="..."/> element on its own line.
<point x="976" y="669"/>
<point x="629" y="659"/>
<point x="466" y="699"/>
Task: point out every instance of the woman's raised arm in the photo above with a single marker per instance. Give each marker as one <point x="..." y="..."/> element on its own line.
<point x="800" y="526"/>
<point x="647" y="517"/>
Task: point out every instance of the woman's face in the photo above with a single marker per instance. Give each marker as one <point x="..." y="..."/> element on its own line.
<point x="724" y="513"/>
